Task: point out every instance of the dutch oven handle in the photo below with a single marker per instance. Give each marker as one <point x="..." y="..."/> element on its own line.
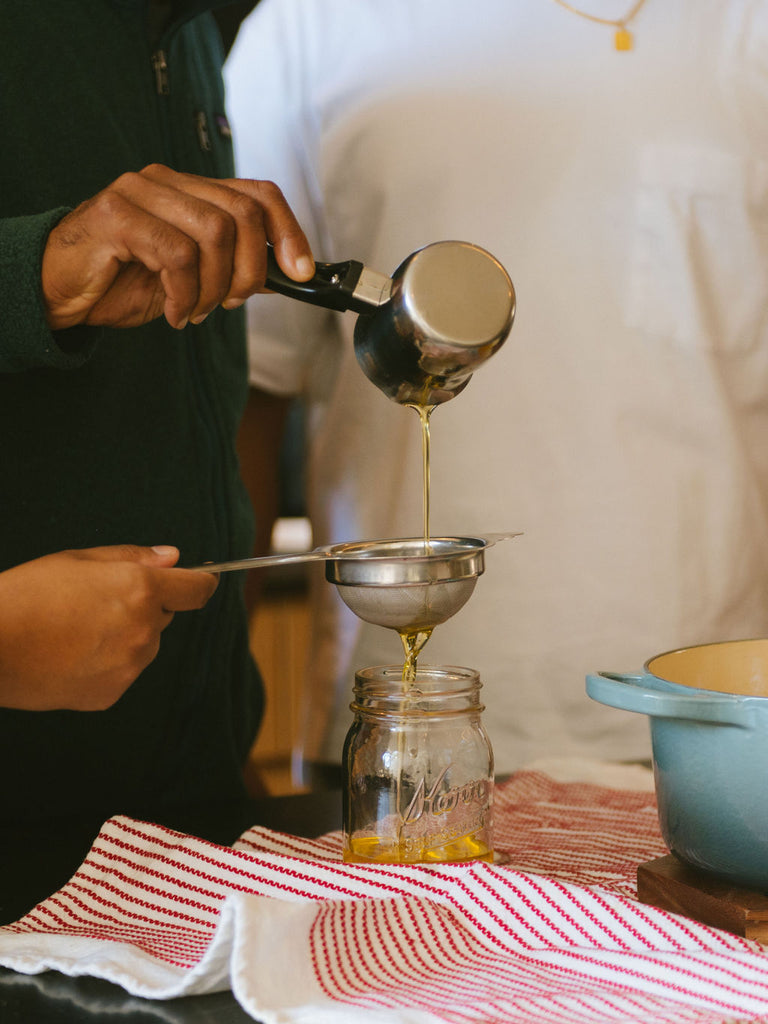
<point x="635" y="692"/>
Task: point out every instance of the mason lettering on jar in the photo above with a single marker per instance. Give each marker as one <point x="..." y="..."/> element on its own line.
<point x="418" y="768"/>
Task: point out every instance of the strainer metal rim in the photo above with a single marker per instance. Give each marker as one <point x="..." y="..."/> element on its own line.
<point x="404" y="562"/>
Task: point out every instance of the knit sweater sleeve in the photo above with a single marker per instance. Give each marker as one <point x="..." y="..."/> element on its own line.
<point x="26" y="342"/>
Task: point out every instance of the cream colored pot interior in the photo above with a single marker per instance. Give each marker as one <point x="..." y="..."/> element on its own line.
<point x="738" y="666"/>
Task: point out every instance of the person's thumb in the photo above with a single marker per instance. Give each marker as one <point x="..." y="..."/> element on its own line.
<point x="160" y="556"/>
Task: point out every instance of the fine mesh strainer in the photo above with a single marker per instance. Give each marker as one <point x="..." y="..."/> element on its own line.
<point x="407" y="585"/>
<point x="404" y="584"/>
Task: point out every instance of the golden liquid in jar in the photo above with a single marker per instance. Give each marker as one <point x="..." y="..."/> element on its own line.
<point x="371" y="849"/>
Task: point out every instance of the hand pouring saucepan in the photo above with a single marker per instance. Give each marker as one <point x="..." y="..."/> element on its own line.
<point x="421" y="333"/>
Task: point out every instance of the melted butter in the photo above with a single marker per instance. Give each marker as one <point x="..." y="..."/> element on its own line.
<point x="413" y="642"/>
<point x="425" y="413"/>
<point x="367" y="849"/>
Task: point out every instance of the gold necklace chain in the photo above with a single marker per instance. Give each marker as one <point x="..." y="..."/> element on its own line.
<point x="623" y="37"/>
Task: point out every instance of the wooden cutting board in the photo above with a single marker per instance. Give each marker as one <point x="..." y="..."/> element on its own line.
<point x="672" y="885"/>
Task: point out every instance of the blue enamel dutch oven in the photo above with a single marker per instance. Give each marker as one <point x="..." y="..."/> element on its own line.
<point x="708" y="711"/>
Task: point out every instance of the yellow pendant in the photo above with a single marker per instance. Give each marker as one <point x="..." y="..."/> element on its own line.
<point x="623" y="39"/>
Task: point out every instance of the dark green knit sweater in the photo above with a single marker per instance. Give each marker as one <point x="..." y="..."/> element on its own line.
<point x="119" y="436"/>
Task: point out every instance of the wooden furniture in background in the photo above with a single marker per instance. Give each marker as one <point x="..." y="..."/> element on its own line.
<point x="279" y="642"/>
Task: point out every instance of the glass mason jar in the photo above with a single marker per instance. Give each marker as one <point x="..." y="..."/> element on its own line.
<point x="418" y="768"/>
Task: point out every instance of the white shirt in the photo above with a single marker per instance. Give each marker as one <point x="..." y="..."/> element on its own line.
<point x="623" y="427"/>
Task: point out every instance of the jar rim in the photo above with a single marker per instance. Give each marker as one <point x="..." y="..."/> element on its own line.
<point x="394" y="673"/>
<point x="436" y="691"/>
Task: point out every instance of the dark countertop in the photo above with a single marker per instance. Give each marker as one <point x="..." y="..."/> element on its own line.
<point x="34" y="864"/>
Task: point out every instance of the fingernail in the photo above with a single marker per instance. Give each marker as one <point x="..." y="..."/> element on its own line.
<point x="232" y="303"/>
<point x="164" y="549"/>
<point x="198" y="319"/>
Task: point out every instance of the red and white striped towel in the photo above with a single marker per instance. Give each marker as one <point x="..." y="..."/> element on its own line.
<point x="555" y="936"/>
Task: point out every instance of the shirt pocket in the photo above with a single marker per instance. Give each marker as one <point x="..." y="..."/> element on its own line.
<point x="698" y="266"/>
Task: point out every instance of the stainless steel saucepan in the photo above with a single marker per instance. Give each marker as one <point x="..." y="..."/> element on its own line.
<point x="421" y="333"/>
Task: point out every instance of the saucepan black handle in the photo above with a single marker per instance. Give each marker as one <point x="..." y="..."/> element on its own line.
<point x="331" y="287"/>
